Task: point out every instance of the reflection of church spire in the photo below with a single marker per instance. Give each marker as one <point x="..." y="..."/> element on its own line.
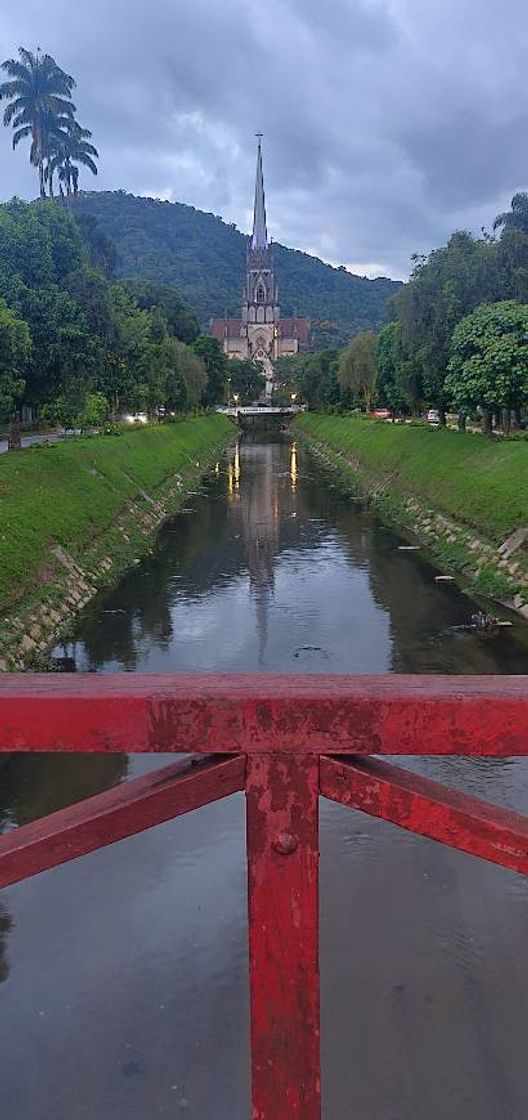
<point x="263" y="594"/>
<point x="259" y="514"/>
<point x="259" y="239"/>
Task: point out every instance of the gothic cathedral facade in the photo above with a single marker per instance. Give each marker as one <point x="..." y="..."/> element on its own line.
<point x="261" y="333"/>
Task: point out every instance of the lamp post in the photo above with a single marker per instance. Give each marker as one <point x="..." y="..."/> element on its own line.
<point x="228" y="392"/>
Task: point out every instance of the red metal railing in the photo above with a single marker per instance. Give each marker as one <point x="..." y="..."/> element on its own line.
<point x="285" y="741"/>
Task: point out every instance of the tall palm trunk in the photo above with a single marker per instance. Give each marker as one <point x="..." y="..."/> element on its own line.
<point x="37" y="133"/>
<point x="41" y="176"/>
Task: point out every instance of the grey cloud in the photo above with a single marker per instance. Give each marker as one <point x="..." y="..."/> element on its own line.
<point x="387" y="123"/>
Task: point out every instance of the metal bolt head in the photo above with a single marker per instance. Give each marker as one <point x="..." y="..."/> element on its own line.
<point x="285" y="843"/>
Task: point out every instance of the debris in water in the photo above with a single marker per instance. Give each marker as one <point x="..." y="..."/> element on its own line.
<point x="310" y="649"/>
<point x="408" y="548"/>
<point x="444" y="579"/>
<point x="118" y="610"/>
<point x="482" y="621"/>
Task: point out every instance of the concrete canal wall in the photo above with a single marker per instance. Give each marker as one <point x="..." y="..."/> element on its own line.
<point x="463" y="497"/>
<point x="74" y="516"/>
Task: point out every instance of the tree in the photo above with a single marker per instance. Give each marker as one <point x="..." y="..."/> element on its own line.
<point x="15" y="348"/>
<point x="443" y="288"/>
<point x="488" y="368"/>
<point x="188" y="370"/>
<point x="210" y="351"/>
<point x="127" y="361"/>
<point x="65" y="353"/>
<point x="70" y="148"/>
<point x="94" y="411"/>
<point x="391" y="389"/>
<point x="316" y="377"/>
<point x="40" y="106"/>
<point x="516" y="218"/>
<point x="357" y="368"/>
<point x="246" y="380"/>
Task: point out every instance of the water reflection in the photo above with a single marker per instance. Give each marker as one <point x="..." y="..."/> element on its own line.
<point x="273" y="560"/>
<point x="127" y="993"/>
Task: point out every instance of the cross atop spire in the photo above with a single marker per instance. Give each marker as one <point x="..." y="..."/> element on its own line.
<point x="259" y="238"/>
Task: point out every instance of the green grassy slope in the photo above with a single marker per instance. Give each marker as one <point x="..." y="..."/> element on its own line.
<point x="480" y="482"/>
<point x="204" y="258"/>
<point x="70" y="493"/>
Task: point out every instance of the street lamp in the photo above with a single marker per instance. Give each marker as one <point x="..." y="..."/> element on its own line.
<point x="235" y="398"/>
<point x="293" y="397"/>
<point x="228" y="392"/>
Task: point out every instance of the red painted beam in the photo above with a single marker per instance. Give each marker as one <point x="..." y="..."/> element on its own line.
<point x="429" y="809"/>
<point x="264" y="713"/>
<point x="283" y="864"/>
<point x="129" y="808"/>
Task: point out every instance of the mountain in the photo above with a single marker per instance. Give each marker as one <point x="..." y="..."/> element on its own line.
<point x="204" y="258"/>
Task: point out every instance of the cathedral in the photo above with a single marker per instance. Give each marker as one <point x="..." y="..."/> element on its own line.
<point x="261" y="333"/>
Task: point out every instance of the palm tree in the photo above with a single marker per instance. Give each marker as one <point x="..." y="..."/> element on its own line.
<point x="73" y="148"/>
<point x="40" y="106"/>
<point x="517" y="217"/>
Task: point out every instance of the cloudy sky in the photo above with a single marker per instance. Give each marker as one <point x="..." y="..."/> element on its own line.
<point x="388" y="123"/>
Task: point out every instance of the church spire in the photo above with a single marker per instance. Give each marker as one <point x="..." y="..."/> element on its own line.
<point x="259" y="239"/>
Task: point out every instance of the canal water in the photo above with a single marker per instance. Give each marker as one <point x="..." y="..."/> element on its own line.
<point x="123" y="987"/>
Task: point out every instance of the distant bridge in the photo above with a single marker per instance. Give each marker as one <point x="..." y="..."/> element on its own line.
<point x="260" y="410"/>
<point x="261" y="416"/>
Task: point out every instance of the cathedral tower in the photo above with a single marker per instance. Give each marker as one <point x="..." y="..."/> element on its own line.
<point x="260" y="309"/>
<point x="261" y="333"/>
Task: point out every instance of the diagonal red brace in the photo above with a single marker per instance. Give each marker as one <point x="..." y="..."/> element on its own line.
<point x="428" y="808"/>
<point x="129" y="808"/>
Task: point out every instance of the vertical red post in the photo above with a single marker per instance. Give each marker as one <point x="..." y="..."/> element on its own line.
<point x="283" y="865"/>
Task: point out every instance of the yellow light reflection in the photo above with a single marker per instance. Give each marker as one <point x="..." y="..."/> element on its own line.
<point x="294" y="471"/>
<point x="237" y="467"/>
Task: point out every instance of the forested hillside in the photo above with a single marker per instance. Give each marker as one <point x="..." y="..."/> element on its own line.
<point x="205" y="259"/>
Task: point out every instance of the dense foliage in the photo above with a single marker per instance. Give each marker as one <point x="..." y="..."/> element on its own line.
<point x="313" y="377"/>
<point x="41" y="110"/>
<point x="245" y="380"/>
<point x="458" y="337"/>
<point x="489" y="363"/>
<point x="357" y="369"/>
<point x="72" y="340"/>
<point x="205" y="260"/>
<point x="456" y="340"/>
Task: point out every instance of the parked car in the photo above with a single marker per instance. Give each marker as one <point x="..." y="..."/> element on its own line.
<point x="382" y="414"/>
<point x="433" y="416"/>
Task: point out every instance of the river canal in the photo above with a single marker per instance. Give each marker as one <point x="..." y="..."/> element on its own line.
<point x="123" y="989"/>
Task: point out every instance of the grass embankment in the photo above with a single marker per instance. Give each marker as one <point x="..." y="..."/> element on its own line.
<point x="72" y="494"/>
<point x="481" y="482"/>
<point x="459" y="494"/>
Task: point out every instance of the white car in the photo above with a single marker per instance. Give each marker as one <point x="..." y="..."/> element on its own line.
<point x="433" y="416"/>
